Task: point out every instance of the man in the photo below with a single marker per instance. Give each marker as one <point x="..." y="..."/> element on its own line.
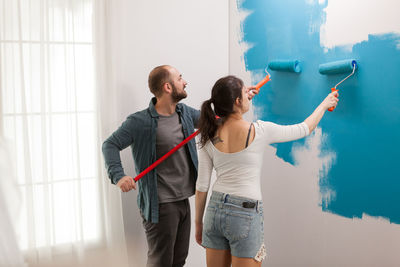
<point x="163" y="192"/>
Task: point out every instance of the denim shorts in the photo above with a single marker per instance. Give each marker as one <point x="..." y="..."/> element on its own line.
<point x="235" y="223"/>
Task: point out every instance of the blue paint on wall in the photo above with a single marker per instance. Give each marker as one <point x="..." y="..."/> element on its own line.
<point x="363" y="131"/>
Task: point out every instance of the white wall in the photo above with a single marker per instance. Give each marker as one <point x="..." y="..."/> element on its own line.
<point x="190" y="35"/>
<point x="351" y="21"/>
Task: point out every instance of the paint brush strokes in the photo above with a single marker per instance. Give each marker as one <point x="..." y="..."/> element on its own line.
<point x="363" y="132"/>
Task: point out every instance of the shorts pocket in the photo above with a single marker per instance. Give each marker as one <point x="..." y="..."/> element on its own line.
<point x="208" y="224"/>
<point x="238" y="225"/>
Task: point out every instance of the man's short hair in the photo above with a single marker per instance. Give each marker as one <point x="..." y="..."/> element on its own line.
<point x="157" y="77"/>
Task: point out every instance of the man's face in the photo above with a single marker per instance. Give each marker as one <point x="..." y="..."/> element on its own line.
<point x="178" y="85"/>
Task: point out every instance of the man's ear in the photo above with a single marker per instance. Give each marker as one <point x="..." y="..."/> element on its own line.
<point x="167" y="88"/>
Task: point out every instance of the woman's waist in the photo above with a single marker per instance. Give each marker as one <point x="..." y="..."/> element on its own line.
<point x="241" y="189"/>
<point x="234" y="201"/>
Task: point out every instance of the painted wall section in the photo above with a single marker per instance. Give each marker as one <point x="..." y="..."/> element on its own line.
<point x="361" y="135"/>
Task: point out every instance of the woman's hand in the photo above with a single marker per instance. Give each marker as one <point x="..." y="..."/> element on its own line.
<point x="200" y="203"/>
<point x="251" y="92"/>
<point x="199" y="233"/>
<point x="331" y="100"/>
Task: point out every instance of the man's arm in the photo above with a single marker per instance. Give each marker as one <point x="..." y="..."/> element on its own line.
<point x="195" y="114"/>
<point x="119" y="140"/>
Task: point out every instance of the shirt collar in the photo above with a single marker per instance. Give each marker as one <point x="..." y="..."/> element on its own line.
<point x="153" y="111"/>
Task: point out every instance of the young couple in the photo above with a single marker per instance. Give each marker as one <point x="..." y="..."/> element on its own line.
<point x="231" y="229"/>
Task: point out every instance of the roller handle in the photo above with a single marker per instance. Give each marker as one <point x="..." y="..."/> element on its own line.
<point x="333" y="90"/>
<point x="264" y="81"/>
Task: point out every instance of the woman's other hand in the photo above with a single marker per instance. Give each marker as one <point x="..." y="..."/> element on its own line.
<point x="251" y="92"/>
<point x="331" y="100"/>
<point x="199" y="233"/>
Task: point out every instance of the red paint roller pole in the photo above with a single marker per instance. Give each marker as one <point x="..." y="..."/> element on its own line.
<point x="264" y="81"/>
<point x="169" y="153"/>
<point x="187" y="139"/>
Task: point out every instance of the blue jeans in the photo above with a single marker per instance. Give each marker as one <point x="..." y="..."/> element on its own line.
<point x="234" y="223"/>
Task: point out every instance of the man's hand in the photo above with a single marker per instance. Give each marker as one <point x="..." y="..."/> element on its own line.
<point x="251" y="92"/>
<point x="126" y="184"/>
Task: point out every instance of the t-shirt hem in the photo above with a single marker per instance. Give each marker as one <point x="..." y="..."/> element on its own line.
<point x="175" y="199"/>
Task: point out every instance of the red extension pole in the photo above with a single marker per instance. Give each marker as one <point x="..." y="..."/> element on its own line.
<point x="172" y="151"/>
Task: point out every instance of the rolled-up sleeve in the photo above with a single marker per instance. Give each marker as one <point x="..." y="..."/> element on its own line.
<point x="205" y="170"/>
<point x="119" y="140"/>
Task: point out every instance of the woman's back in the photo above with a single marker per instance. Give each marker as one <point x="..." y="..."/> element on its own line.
<point x="238" y="167"/>
<point x="234" y="136"/>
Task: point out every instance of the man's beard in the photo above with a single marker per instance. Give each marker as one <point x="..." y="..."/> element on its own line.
<point x="177" y="96"/>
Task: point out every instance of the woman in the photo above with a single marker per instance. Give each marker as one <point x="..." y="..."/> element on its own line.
<point x="232" y="232"/>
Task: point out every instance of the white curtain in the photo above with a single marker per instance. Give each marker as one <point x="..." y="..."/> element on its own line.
<point x="10" y="254"/>
<point x="53" y="79"/>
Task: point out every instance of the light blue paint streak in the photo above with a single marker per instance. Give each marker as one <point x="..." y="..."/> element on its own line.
<point x="363" y="131"/>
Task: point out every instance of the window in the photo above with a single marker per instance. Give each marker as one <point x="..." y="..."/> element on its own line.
<point x="48" y="110"/>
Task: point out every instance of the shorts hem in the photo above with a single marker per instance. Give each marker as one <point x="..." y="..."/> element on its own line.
<point x="205" y="245"/>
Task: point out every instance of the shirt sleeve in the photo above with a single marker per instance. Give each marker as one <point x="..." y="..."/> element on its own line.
<point x="195" y="115"/>
<point x="205" y="170"/>
<point x="119" y="140"/>
<point x="276" y="133"/>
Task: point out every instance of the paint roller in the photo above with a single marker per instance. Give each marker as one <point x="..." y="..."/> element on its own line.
<point x="285" y="65"/>
<point x="338" y="67"/>
<point x="187" y="139"/>
<point x="280" y="65"/>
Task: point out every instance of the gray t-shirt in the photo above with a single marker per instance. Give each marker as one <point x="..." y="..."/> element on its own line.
<point x="174" y="175"/>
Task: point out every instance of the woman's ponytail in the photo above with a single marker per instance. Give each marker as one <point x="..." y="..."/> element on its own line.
<point x="223" y="96"/>
<point x="208" y="123"/>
